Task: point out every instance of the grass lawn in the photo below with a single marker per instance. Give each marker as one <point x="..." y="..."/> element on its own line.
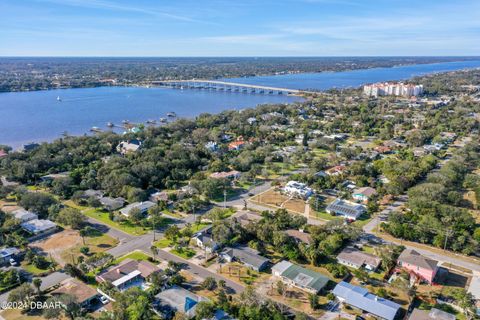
<point x="199" y="226"/>
<point x="185" y="253"/>
<point x="238" y="272"/>
<point x="30" y="268"/>
<point x="163" y="243"/>
<point x="362" y="220"/>
<point x="125" y="226"/>
<point x="322" y="215"/>
<point x="136" y="255"/>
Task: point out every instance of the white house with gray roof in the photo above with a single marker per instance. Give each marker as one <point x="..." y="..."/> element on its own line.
<point x="300" y="277"/>
<point x="142" y="206"/>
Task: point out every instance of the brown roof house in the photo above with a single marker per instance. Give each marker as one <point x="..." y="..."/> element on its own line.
<point x="84" y="294"/>
<point x="129" y="273"/>
<point x="357" y="259"/>
<point x="299" y="236"/>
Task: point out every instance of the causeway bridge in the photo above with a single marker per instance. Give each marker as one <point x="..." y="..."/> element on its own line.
<point x="224" y="86"/>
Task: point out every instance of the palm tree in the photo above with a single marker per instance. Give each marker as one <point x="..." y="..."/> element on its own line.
<point x="154" y="251"/>
<point x="83" y="234"/>
<point x="37" y="282"/>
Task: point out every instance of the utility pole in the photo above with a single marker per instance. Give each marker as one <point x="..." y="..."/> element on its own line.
<point x="448" y="233"/>
<point x="224" y="198"/>
<point x="154" y="227"/>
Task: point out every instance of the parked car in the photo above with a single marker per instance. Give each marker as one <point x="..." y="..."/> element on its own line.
<point x="13" y="262"/>
<point x="104" y="300"/>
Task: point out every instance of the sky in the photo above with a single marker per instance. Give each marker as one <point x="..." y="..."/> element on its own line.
<point x="239" y="28"/>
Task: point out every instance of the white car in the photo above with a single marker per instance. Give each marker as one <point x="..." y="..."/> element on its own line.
<point x="104" y="300"/>
<point x="13" y="263"/>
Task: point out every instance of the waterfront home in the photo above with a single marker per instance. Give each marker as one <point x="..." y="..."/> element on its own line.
<point x="247" y="256"/>
<point x="363" y="194"/>
<point x="432" y="314"/>
<point x="347" y="209"/>
<point x="129" y="273"/>
<point x="39" y="227"/>
<point x="129" y="146"/>
<point x="360" y="298"/>
<point x="297" y="189"/>
<point x="142" y="206"/>
<point x="418" y="266"/>
<point x="300" y="277"/>
<point x="112" y="204"/>
<point x="24" y="215"/>
<point x="299" y="236"/>
<point x="357" y="259"/>
<point x="8" y="253"/>
<point x="232" y="175"/>
<point x="85" y="295"/>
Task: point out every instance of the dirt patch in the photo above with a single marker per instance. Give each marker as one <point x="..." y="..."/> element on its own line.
<point x="275" y="199"/>
<point x="59" y="242"/>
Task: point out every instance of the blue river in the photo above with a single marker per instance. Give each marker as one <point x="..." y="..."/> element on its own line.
<point x="37" y="116"/>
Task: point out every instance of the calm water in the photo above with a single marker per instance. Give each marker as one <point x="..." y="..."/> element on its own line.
<point x="328" y="80"/>
<point x="37" y="116"/>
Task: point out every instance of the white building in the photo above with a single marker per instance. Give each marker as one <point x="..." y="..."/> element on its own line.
<point x="297" y="189"/>
<point x="392" y="89"/>
<point x="24" y="215"/>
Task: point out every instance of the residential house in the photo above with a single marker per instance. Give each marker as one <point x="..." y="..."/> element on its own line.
<point x="335" y="171"/>
<point x="347" y="209"/>
<point x="38" y="227"/>
<point x="297" y="189"/>
<point x="129" y="146"/>
<point x="360" y="298"/>
<point x="142" y="206"/>
<point x="249" y="257"/>
<point x="432" y="314"/>
<point x="299" y="236"/>
<point x="206" y="242"/>
<point x="84" y="295"/>
<point x="245" y="218"/>
<point x="24" y="215"/>
<point x="159" y="196"/>
<point x="129" y="273"/>
<point x="112" y="204"/>
<point x="8" y="253"/>
<point x="90" y="193"/>
<point x="300" y="277"/>
<point x="3" y="153"/>
<point x="55" y="176"/>
<point x="177" y="299"/>
<point x="363" y="194"/>
<point x="232" y="175"/>
<point x="236" y="145"/>
<point x="211" y="146"/>
<point x="417" y="265"/>
<point x="357" y="259"/>
<point x="251" y="120"/>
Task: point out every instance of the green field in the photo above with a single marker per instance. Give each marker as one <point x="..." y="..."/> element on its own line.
<point x="185" y="253"/>
<point x="136" y="255"/>
<point x="125" y="226"/>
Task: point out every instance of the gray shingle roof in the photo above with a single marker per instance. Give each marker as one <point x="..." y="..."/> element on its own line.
<point x="414" y="258"/>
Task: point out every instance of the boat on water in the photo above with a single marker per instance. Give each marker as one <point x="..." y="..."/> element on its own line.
<point x="59" y="99"/>
<point x="110" y="124"/>
<point x="151" y="121"/>
<point x="171" y="114"/>
<point x="95" y="129"/>
<point x="125" y="121"/>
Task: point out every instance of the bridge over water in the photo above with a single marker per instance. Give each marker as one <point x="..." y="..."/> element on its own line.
<point x="224" y="86"/>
